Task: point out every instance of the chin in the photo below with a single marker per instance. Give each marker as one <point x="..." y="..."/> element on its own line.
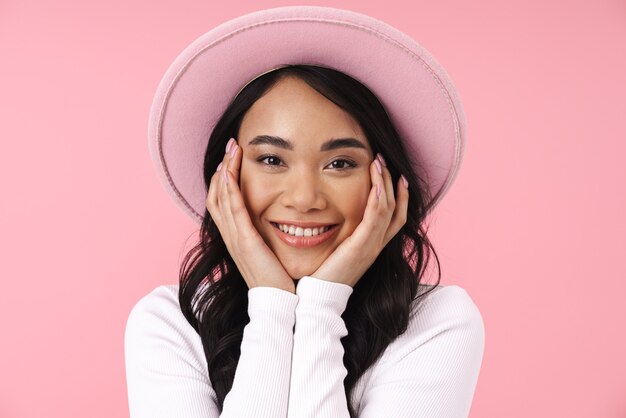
<point x="298" y="272"/>
<point x="300" y="263"/>
<point x="298" y="268"/>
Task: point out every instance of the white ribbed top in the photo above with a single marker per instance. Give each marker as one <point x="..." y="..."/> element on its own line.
<point x="429" y="371"/>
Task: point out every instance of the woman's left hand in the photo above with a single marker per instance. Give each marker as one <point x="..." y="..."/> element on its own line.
<point x="383" y="218"/>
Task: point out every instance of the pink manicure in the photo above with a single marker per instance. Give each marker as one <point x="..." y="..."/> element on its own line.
<point x="219" y="167"/>
<point x="233" y="150"/>
<point x="378" y="167"/>
<point x="229" y="143"/>
<point x="382" y="160"/>
<point x="406" y="183"/>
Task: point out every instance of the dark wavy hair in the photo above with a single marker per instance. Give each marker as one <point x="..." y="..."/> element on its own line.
<point x="213" y="294"/>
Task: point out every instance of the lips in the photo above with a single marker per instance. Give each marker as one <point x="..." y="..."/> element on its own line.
<point x="303" y="234"/>
<point x="299" y="231"/>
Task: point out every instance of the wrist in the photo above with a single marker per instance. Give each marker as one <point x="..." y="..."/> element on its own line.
<point x="284" y="287"/>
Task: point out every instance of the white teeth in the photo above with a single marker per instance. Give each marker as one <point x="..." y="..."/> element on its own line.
<point x="302" y="232"/>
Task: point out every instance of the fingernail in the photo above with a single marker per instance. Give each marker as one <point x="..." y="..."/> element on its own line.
<point x="229" y="143"/>
<point x="382" y="160"/>
<point x="406" y="183"/>
<point x="233" y="150"/>
<point x="219" y="167"/>
<point x="378" y="167"/>
<point x="377" y="190"/>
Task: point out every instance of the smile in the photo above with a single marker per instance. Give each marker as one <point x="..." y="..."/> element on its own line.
<point x="303" y="236"/>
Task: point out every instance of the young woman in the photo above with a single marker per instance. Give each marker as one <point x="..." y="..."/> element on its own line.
<point x="303" y="297"/>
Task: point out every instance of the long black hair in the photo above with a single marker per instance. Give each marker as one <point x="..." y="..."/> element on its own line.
<point x="213" y="294"/>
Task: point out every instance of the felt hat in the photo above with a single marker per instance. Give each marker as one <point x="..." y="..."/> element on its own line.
<point x="414" y="89"/>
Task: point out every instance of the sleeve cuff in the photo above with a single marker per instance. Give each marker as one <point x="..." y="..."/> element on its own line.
<point x="323" y="293"/>
<point x="272" y="300"/>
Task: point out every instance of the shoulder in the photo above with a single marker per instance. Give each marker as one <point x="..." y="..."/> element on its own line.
<point x="156" y="324"/>
<point x="437" y="358"/>
<point x="447" y="303"/>
<point x="446" y="318"/>
<point x="445" y="308"/>
<point x="166" y="370"/>
<point x="166" y="293"/>
<point x="160" y="304"/>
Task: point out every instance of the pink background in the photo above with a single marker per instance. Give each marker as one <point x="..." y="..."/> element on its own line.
<point x="533" y="228"/>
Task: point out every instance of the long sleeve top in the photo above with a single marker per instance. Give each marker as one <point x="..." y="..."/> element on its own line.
<point x="291" y="362"/>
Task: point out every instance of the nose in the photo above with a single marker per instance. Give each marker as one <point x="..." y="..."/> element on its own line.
<point x="303" y="192"/>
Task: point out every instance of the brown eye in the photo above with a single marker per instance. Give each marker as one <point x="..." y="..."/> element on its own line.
<point x="342" y="164"/>
<point x="270" y="160"/>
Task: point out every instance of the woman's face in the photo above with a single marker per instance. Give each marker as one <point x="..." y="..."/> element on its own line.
<point x="305" y="168"/>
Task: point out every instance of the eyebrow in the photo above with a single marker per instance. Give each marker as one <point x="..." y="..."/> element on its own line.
<point x="329" y="145"/>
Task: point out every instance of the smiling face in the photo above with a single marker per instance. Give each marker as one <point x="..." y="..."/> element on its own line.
<point x="304" y="173"/>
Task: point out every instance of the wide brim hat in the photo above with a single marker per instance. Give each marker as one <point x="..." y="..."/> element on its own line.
<point x="413" y="87"/>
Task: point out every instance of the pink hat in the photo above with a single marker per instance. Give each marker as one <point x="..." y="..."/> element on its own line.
<point x="415" y="90"/>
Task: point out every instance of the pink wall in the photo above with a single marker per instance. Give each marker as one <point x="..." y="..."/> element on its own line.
<point x="533" y="228"/>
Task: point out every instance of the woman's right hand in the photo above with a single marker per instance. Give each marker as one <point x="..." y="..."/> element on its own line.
<point x="256" y="262"/>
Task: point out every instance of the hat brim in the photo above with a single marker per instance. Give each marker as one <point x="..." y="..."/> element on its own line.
<point x="416" y="92"/>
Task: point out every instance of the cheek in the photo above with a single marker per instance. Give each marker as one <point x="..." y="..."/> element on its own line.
<point x="352" y="200"/>
<point x="255" y="192"/>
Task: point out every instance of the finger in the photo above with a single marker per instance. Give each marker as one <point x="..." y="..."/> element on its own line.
<point x="211" y="200"/>
<point x="233" y="208"/>
<point x="371" y="216"/>
<point x="237" y="214"/>
<point x="226" y="154"/>
<point x="225" y="163"/>
<point x="385" y="207"/>
<point x="216" y="184"/>
<point x="380" y="215"/>
<point x="388" y="182"/>
<point x="399" y="217"/>
<point x="234" y="164"/>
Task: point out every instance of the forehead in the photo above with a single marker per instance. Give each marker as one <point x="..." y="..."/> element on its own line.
<point x="292" y="109"/>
